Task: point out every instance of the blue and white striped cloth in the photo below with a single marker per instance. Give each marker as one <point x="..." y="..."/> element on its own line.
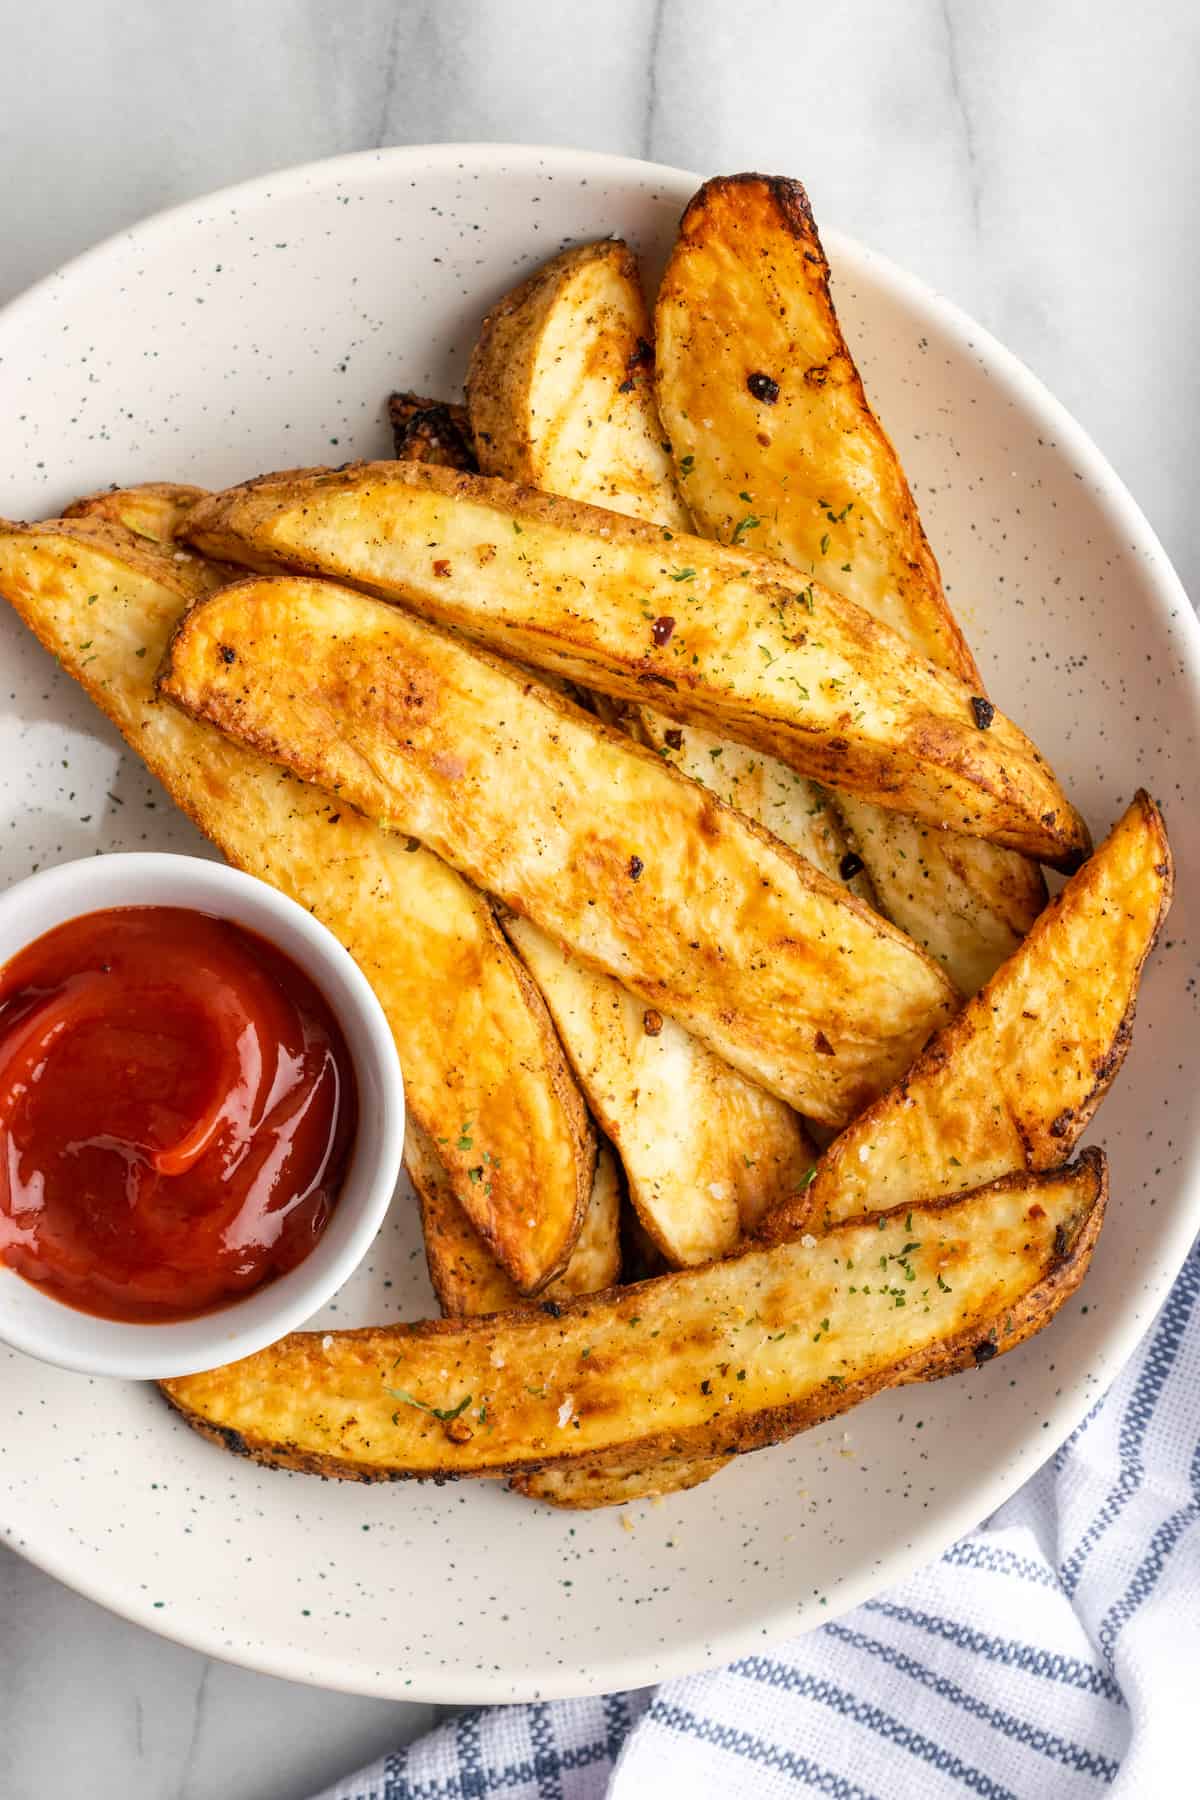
<point x="1054" y="1652"/>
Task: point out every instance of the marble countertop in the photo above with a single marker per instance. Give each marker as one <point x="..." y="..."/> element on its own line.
<point x="1032" y="161"/>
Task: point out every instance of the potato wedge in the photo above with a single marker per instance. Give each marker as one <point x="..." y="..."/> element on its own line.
<point x="739" y="1351"/>
<point x="483" y="1068"/>
<point x="639" y="871"/>
<point x="705" y="1151"/>
<point x="760" y="397"/>
<point x="727" y="639"/>
<point x="1012" y="1082"/>
<point x="561" y="388"/>
<point x="154" y="510"/>
<point x="466" y="1277"/>
<point x="431" y="431"/>
<point x="744" y="306"/>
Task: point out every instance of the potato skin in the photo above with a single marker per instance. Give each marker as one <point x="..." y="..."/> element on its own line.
<point x="1012" y="1082"/>
<point x="582" y="1488"/>
<point x="741" y="1352"/>
<point x="475" y="1039"/>
<point x="745" y="297"/>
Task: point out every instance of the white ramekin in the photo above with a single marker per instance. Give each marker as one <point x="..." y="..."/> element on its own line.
<point x="33" y="1322"/>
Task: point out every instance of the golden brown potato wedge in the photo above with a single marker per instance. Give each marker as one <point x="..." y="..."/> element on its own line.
<point x="730" y="640"/>
<point x="483" y="1068"/>
<point x="431" y="431"/>
<point x="769" y="421"/>
<point x="773" y="438"/>
<point x="703" y="1362"/>
<point x="705" y="1151"/>
<point x="154" y="510"/>
<point x="1012" y="1082"/>
<point x="465" y="1275"/>
<point x="561" y="388"/>
<point x="643" y="874"/>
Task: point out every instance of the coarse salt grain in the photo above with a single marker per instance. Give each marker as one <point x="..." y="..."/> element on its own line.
<point x="565" y="1411"/>
<point x="327" y="1342"/>
<point x="808" y="1241"/>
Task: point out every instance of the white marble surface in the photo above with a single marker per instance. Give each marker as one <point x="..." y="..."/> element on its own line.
<point x="1034" y="160"/>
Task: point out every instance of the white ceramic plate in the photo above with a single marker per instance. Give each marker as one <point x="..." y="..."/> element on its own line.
<point x="262" y="328"/>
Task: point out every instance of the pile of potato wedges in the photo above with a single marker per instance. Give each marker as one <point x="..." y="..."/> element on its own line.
<point x="620" y="729"/>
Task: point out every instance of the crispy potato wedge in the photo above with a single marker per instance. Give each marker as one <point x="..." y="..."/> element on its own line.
<point x="745" y="300"/>
<point x="760" y="396"/>
<point x="154" y="510"/>
<point x="483" y="1068"/>
<point x="431" y="431"/>
<point x="1012" y="1082"/>
<point x="739" y="1350"/>
<point x="561" y="388"/>
<point x="643" y="874"/>
<point x="705" y="1151"/>
<point x="725" y="638"/>
<point x="466" y="1277"/>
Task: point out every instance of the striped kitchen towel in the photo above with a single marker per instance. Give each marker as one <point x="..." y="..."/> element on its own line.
<point x="1054" y="1652"/>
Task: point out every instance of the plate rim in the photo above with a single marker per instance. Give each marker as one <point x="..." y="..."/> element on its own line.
<point x="1131" y="1318"/>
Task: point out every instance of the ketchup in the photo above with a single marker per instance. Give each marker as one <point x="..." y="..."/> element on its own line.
<point x="177" y="1106"/>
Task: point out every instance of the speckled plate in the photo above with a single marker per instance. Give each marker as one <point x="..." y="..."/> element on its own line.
<point x="261" y="328"/>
